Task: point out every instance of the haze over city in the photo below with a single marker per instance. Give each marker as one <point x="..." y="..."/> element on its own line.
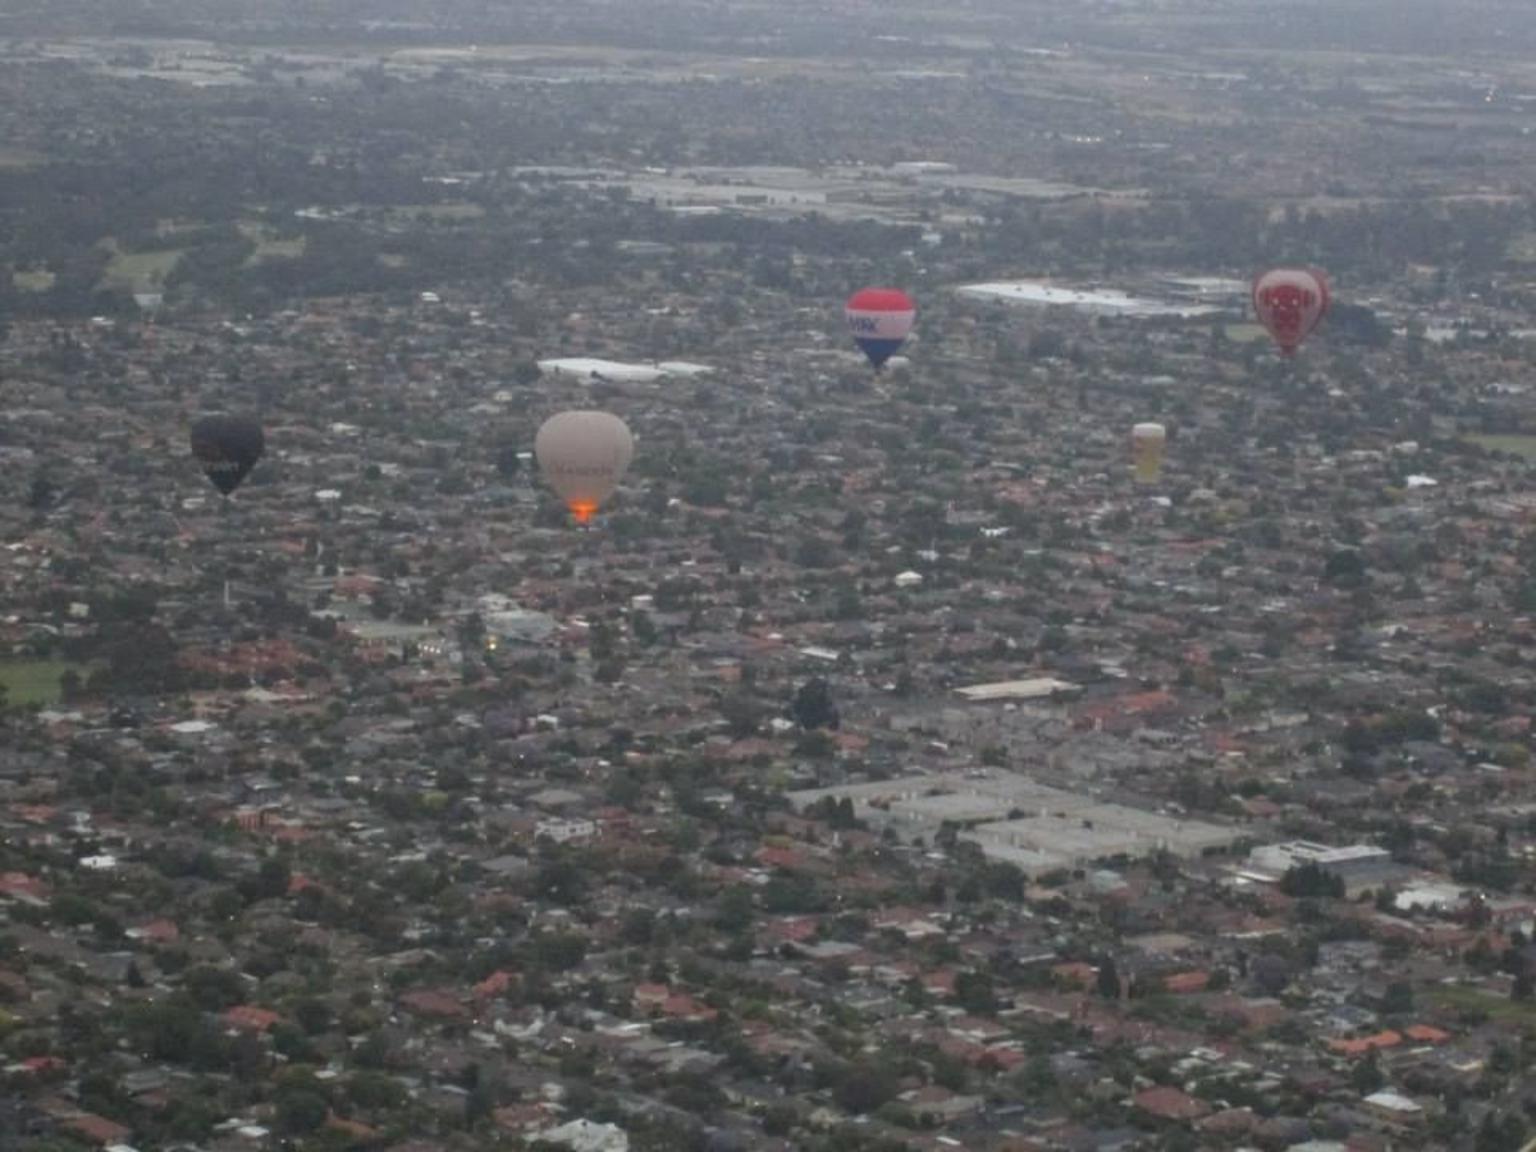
<point x="717" y="576"/>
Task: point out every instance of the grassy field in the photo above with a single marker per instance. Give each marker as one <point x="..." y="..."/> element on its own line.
<point x="1245" y="333"/>
<point x="1523" y="248"/>
<point x="269" y="246"/>
<point x="446" y="213"/>
<point x="138" y="271"/>
<point x="1465" y="998"/>
<point x="1522" y="446"/>
<point x="38" y="280"/>
<point x="35" y="681"/>
<point x="19" y="158"/>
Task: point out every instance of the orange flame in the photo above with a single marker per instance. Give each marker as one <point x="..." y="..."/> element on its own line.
<point x="582" y="510"/>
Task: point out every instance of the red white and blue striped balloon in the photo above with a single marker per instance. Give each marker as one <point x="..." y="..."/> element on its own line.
<point x="880" y="319"/>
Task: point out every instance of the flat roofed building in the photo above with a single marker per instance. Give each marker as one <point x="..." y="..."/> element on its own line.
<point x="1012" y="818"/>
<point x="1277" y="859"/>
<point x="1039" y="688"/>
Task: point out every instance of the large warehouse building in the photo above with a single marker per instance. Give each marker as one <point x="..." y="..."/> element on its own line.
<point x="1015" y="819"/>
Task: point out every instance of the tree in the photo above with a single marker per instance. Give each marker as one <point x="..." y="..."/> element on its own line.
<point x="560" y="951"/>
<point x="314" y="1016"/>
<point x="215" y="989"/>
<point x="270" y="882"/>
<point x="70" y="684"/>
<point x="1367" y="1077"/>
<point x="300" y="1111"/>
<point x="974" y="993"/>
<point x="1398" y="998"/>
<point x="740" y="711"/>
<point x="813" y="706"/>
<point x="1311" y="880"/>
<point x="42" y="493"/>
<point x="472" y="633"/>
<point x="865" y="1086"/>
<point x="1345" y="568"/>
<point x="508" y="463"/>
<point x="1108" y="979"/>
<point x="1500" y="1133"/>
<point x="481" y="1099"/>
<point x="733" y="912"/>
<point x="643" y="628"/>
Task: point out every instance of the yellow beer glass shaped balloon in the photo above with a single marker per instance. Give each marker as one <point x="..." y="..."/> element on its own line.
<point x="583" y="455"/>
<point x="1147" y="443"/>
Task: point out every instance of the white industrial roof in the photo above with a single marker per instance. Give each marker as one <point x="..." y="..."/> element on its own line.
<point x="1036" y="689"/>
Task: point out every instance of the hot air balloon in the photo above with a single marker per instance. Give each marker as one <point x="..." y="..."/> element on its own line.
<point x="583" y="456"/>
<point x="1147" y="442"/>
<point x="880" y="319"/>
<point x="227" y="447"/>
<point x="1290" y="303"/>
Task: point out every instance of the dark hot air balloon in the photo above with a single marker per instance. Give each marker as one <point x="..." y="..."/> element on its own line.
<point x="227" y="447"/>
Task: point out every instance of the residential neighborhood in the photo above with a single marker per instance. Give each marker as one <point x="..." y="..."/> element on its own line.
<point x="888" y="764"/>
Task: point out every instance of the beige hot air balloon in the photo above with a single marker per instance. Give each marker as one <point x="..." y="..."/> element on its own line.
<point x="1147" y="442"/>
<point x="583" y="456"/>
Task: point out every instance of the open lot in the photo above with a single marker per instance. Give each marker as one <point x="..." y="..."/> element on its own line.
<point x="35" y="681"/>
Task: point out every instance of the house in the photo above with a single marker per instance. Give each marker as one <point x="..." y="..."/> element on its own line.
<point x="1364" y="1045"/>
<point x="24" y="889"/>
<point x="249" y="1018"/>
<point x="1168" y="1103"/>
<point x="494" y="985"/>
<point x="586" y="1136"/>
<point x="436" y="1005"/>
<point x="161" y="931"/>
<point x="96" y="1129"/>
<point x="941" y="1104"/>
<point x="565" y="831"/>
<point x="1394" y="1109"/>
<point x="1184" y="983"/>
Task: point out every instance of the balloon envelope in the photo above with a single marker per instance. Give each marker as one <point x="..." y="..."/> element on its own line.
<point x="1291" y="303"/>
<point x="880" y="319"/>
<point x="1147" y="444"/>
<point x="583" y="456"/>
<point x="227" y="447"/>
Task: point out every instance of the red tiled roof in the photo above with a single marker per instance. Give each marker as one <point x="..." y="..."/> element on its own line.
<point x="360" y="1133"/>
<point x="429" y="1003"/>
<point x="684" y="1007"/>
<point x="942" y="981"/>
<point x="1185" y="982"/>
<point x="493" y="985"/>
<point x="21" y="885"/>
<point x="1168" y="1103"/>
<point x="250" y="1018"/>
<point x="161" y="931"/>
<point x="795" y="929"/>
<point x="786" y="858"/>
<point x="97" y="1129"/>
<point x="1361" y="1045"/>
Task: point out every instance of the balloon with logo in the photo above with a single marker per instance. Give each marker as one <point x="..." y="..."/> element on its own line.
<point x="583" y="455"/>
<point x="1291" y="303"/>
<point x="1147" y="443"/>
<point x="227" y="447"/>
<point x="880" y="319"/>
